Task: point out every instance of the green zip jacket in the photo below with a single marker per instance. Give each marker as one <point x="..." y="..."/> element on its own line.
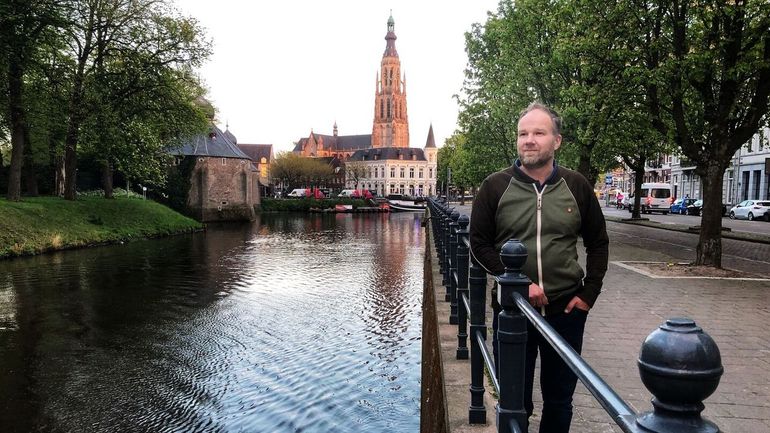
<point x="548" y="219"/>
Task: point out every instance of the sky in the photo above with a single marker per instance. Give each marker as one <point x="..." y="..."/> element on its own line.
<point x="280" y="69"/>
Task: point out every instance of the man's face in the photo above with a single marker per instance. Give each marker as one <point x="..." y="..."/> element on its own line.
<point x="536" y="141"/>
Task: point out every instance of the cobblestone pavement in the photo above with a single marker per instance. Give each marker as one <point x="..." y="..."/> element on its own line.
<point x="734" y="312"/>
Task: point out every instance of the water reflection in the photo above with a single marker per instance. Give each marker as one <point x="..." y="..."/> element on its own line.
<point x="298" y="323"/>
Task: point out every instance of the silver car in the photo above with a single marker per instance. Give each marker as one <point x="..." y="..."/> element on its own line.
<point x="751" y="210"/>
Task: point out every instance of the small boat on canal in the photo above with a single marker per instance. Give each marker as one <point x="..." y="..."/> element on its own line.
<point x="403" y="203"/>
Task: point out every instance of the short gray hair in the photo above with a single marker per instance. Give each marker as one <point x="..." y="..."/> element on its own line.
<point x="555" y="118"/>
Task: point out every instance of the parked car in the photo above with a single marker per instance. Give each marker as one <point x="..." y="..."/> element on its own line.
<point x="655" y="197"/>
<point x="751" y="210"/>
<point x="695" y="208"/>
<point x="680" y="205"/>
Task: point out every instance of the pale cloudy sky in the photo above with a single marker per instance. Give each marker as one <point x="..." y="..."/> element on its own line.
<point x="282" y="68"/>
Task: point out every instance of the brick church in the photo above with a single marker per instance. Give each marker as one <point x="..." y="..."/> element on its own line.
<point x="382" y="161"/>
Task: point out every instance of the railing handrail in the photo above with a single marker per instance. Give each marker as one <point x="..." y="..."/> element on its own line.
<point x="668" y="415"/>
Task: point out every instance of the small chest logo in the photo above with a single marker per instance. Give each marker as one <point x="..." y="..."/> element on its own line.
<point x="569" y="210"/>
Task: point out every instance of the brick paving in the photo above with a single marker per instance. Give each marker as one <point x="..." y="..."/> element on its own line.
<point x="735" y="313"/>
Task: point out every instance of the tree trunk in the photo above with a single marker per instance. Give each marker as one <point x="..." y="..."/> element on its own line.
<point x="60" y="176"/>
<point x="584" y="166"/>
<point x="107" y="179"/>
<point x="29" y="169"/>
<point x="71" y="139"/>
<point x="709" y="250"/>
<point x="16" y="116"/>
<point x="638" y="181"/>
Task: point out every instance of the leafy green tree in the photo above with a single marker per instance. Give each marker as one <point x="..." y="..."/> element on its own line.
<point x="145" y="37"/>
<point x="23" y="25"/>
<point x="526" y="52"/>
<point x="295" y="171"/>
<point x="707" y="82"/>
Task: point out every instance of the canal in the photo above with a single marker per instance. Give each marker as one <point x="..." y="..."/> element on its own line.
<point x="299" y="323"/>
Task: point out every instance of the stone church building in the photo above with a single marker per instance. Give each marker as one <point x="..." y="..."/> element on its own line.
<point x="382" y="161"/>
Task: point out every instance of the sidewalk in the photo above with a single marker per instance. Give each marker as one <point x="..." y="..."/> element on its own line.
<point x="733" y="312"/>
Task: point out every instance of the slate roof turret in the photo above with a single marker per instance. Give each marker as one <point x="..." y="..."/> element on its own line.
<point x="214" y="143"/>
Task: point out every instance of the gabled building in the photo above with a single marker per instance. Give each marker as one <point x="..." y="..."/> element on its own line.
<point x="223" y="181"/>
<point x="262" y="157"/>
<point x="395" y="170"/>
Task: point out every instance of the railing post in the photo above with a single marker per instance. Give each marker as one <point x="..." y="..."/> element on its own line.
<point x="441" y="225"/>
<point x="447" y="252"/>
<point x="512" y="338"/>
<point x="453" y="267"/>
<point x="681" y="366"/>
<point x="477" y="280"/>
<point x="462" y="286"/>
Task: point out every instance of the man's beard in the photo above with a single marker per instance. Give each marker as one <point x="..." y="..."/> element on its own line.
<point x="536" y="161"/>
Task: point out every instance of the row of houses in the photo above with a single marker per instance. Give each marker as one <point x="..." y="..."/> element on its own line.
<point x="747" y="177"/>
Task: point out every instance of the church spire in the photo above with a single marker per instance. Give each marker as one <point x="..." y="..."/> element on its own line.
<point x="391" y="124"/>
<point x="390" y="37"/>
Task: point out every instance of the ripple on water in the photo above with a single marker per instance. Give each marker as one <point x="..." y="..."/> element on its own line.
<point x="302" y="324"/>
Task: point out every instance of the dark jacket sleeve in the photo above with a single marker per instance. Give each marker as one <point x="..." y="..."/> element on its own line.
<point x="596" y="242"/>
<point x="483" y="227"/>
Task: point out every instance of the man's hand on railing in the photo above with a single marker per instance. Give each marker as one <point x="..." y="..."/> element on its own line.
<point x="537" y="296"/>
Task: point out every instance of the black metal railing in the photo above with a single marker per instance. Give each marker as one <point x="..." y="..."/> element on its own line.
<point x="678" y="363"/>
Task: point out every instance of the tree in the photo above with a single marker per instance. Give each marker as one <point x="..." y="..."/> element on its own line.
<point x="708" y="82"/>
<point x="295" y="171"/>
<point x="104" y="34"/>
<point x="355" y="171"/>
<point x="526" y="52"/>
<point x="22" y="24"/>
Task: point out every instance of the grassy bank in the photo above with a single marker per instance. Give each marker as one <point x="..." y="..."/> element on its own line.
<point x="41" y="224"/>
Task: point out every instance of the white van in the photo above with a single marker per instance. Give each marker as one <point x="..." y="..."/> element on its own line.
<point x="655" y="197"/>
<point x="346" y="193"/>
<point x="299" y="192"/>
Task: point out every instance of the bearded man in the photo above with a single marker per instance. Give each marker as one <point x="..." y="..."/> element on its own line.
<point x="546" y="207"/>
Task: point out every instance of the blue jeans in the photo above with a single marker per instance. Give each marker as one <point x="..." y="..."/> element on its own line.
<point x="557" y="381"/>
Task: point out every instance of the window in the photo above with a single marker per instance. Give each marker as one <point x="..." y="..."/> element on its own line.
<point x="420" y="173"/>
<point x="224" y="161"/>
<point x="402" y="172"/>
<point x="392" y="171"/>
<point x="411" y="172"/>
<point x="430" y="173"/>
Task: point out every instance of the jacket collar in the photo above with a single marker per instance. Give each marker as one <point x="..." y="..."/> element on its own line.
<point x="520" y="175"/>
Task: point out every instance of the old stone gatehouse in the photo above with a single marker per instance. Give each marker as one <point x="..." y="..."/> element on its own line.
<point x="223" y="181"/>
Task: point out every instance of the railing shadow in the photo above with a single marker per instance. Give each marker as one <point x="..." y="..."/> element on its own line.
<point x="679" y="363"/>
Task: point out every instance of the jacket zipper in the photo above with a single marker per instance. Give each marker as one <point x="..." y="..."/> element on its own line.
<point x="538" y="242"/>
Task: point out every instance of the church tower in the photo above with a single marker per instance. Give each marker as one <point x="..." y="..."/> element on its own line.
<point x="391" y="123"/>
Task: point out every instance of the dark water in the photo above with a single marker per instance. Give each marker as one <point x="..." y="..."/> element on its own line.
<point x="291" y="324"/>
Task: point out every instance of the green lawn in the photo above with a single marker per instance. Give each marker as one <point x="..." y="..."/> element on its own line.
<point x="40" y="224"/>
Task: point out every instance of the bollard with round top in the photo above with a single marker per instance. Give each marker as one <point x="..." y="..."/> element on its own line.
<point x="452" y="269"/>
<point x="681" y="366"/>
<point x="511" y="338"/>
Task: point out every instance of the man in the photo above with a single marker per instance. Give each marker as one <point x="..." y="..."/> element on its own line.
<point x="547" y="207"/>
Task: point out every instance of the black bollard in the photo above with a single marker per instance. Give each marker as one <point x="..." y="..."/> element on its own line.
<point x="477" y="413"/>
<point x="452" y="287"/>
<point x="447" y="252"/>
<point x="681" y="366"/>
<point x="511" y="338"/>
<point x="462" y="286"/>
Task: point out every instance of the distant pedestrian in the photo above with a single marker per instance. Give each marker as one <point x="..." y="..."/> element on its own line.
<point x="547" y="207"/>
